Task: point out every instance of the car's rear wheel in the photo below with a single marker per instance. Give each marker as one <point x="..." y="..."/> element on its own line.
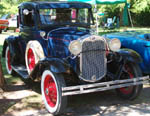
<point x="34" y="53"/>
<point x="8" y="60"/>
<point x="51" y="89"/>
<point x="131" y="70"/>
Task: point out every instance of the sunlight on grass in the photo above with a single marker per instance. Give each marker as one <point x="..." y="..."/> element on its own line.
<point x="12" y="79"/>
<point x="121" y="29"/>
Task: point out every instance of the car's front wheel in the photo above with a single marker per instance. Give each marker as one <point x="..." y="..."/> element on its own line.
<point x="131" y="70"/>
<point x="51" y="89"/>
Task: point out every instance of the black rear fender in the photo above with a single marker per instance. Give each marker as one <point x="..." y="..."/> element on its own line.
<point x="4" y="48"/>
<point x="11" y="42"/>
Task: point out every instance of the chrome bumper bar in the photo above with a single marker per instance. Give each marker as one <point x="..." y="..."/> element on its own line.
<point x="103" y="86"/>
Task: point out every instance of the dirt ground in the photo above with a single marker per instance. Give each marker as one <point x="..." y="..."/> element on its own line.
<point x="24" y="100"/>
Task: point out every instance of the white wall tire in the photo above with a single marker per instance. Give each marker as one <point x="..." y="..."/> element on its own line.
<point x="8" y="60"/>
<point x="34" y="52"/>
<point x="51" y="89"/>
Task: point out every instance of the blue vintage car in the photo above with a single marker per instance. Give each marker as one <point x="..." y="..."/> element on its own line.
<point x="56" y="45"/>
<point x="137" y="41"/>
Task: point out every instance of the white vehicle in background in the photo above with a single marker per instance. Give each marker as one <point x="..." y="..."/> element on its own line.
<point x="12" y="23"/>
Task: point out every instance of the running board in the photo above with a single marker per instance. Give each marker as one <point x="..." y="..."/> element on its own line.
<point x="95" y="87"/>
<point x="21" y="70"/>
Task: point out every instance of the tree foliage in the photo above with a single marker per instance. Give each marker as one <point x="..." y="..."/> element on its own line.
<point x="139" y="9"/>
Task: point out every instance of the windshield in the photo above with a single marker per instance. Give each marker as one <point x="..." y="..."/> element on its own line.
<point x="62" y="16"/>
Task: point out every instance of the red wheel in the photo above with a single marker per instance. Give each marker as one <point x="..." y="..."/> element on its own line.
<point x="51" y="86"/>
<point x="130" y="71"/>
<point x="31" y="59"/>
<point x="34" y="53"/>
<point x="127" y="90"/>
<point x="8" y="60"/>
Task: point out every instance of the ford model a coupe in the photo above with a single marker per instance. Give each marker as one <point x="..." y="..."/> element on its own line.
<point x="57" y="46"/>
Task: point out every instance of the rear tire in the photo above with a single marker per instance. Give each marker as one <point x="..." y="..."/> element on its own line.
<point x="34" y="52"/>
<point x="51" y="89"/>
<point x="132" y="70"/>
<point x="8" y="62"/>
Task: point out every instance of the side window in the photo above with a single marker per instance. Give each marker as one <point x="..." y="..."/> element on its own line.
<point x="83" y="15"/>
<point x="28" y="20"/>
<point x="47" y="16"/>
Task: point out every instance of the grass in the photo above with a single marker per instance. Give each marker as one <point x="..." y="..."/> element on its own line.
<point x="139" y="29"/>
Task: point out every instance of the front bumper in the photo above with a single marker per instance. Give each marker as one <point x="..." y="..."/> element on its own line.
<point x="103" y="86"/>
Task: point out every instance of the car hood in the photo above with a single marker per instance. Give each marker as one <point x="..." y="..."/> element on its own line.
<point x="68" y="33"/>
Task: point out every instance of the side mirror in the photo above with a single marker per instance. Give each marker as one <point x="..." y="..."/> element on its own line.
<point x="25" y="11"/>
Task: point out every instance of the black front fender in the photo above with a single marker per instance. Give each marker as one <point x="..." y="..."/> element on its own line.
<point x="130" y="55"/>
<point x="56" y="65"/>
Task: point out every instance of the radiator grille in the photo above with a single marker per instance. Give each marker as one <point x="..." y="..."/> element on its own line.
<point x="93" y="59"/>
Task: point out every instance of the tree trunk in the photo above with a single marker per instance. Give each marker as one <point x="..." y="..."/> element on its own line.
<point x="2" y="79"/>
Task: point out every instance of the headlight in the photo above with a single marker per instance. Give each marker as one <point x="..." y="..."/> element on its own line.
<point x="114" y="44"/>
<point x="42" y="33"/>
<point x="75" y="47"/>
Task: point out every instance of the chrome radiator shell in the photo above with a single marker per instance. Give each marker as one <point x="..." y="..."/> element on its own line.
<point x="93" y="62"/>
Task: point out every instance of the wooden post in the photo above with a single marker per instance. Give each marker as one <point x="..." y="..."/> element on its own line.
<point x="2" y="79"/>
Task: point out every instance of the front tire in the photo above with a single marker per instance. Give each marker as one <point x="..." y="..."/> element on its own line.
<point x="51" y="89"/>
<point x="131" y="70"/>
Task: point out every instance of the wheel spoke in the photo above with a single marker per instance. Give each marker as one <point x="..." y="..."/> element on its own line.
<point x="31" y="59"/>
<point x="50" y="91"/>
<point x="8" y="60"/>
<point x="127" y="90"/>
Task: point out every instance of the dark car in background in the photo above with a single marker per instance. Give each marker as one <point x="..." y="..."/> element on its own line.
<point x="56" y="45"/>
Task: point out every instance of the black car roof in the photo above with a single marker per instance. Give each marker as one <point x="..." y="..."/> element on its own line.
<point x="60" y="4"/>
